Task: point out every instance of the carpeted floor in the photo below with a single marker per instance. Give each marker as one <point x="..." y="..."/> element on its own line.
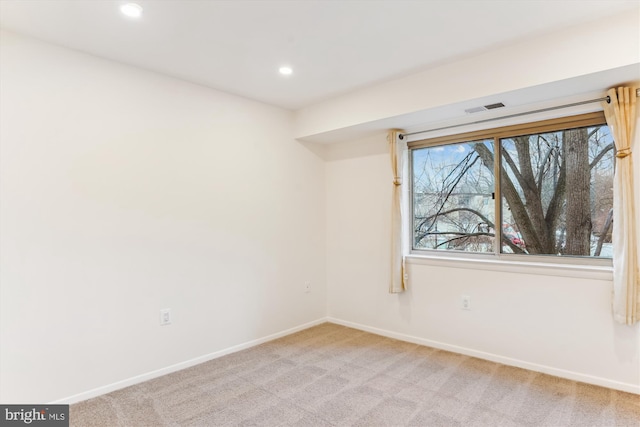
<point x="330" y="375"/>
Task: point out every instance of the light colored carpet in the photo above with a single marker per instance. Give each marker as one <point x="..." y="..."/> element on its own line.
<point x="331" y="375"/>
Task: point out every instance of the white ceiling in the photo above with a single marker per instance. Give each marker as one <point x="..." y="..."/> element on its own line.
<point x="333" y="46"/>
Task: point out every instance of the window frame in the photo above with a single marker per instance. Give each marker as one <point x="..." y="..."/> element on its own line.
<point x="496" y="134"/>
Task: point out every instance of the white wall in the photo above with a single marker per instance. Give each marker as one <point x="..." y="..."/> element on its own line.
<point x="124" y="192"/>
<point x="558" y="325"/>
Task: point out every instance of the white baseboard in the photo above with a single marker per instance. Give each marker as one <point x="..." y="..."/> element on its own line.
<point x="575" y="376"/>
<point x="182" y="365"/>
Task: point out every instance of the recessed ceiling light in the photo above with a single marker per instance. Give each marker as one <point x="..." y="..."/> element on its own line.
<point x="285" y="71"/>
<point x="132" y="10"/>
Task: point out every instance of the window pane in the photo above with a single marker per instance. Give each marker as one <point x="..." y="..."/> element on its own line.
<point x="557" y="193"/>
<point x="453" y="206"/>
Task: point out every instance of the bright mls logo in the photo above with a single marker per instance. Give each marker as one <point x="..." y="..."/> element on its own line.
<point x="35" y="415"/>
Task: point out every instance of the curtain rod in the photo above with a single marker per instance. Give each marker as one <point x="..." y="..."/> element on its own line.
<point x="542" y="110"/>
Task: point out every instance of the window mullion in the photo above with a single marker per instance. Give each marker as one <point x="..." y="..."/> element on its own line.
<point x="497" y="200"/>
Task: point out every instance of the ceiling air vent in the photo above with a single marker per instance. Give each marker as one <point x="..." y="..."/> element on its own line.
<point x="494" y="106"/>
<point x="484" y="108"/>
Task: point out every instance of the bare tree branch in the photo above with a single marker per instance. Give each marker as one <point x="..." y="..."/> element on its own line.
<point x="515" y="248"/>
<point x="600" y="155"/>
<point x="551" y="154"/>
<point x="461" y="235"/>
<point x="457" y="180"/>
<point x="484" y="218"/>
<point x="514" y="168"/>
<point x="604" y="232"/>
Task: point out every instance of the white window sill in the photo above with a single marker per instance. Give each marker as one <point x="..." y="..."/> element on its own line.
<point x="584" y="271"/>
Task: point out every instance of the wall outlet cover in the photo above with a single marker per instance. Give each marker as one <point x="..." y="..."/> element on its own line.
<point x="165" y="316"/>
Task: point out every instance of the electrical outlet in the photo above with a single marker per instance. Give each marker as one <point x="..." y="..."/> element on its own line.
<point x="307" y="286"/>
<point x="465" y="302"/>
<point x="165" y="316"/>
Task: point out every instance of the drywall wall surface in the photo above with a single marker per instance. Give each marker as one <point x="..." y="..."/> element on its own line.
<point x="558" y="325"/>
<point x="124" y="192"/>
<point x="567" y="54"/>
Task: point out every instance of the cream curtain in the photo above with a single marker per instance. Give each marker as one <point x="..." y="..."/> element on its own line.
<point x="621" y="118"/>
<point x="397" y="150"/>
